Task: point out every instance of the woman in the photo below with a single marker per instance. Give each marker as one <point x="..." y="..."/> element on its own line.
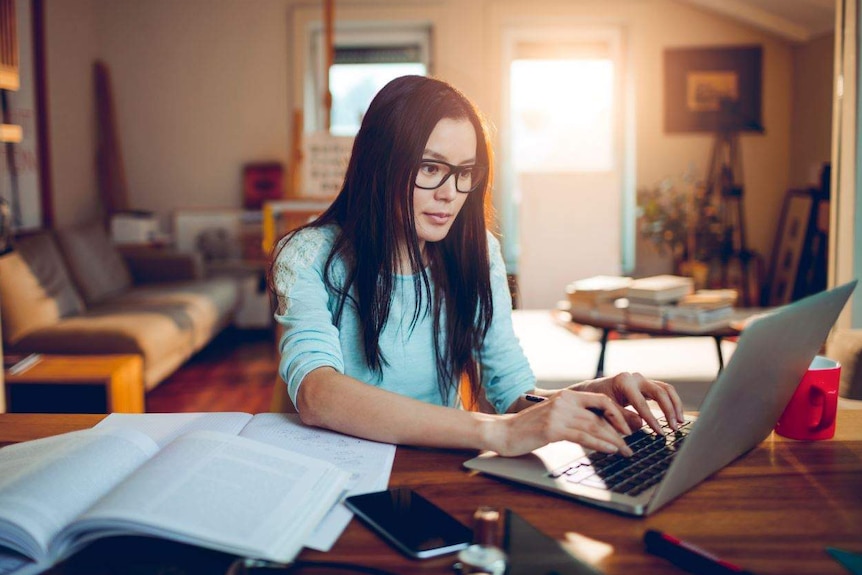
<point x="397" y="292"/>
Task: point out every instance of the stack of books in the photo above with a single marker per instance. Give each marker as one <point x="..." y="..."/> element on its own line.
<point x="647" y="314"/>
<point x="711" y="297"/>
<point x="703" y="310"/>
<point x="651" y="299"/>
<point x="660" y="289"/>
<point x="595" y="297"/>
<point x="654" y="302"/>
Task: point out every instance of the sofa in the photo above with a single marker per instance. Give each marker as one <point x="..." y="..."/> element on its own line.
<point x="72" y="292"/>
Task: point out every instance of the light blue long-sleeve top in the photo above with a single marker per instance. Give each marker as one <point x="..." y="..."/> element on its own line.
<point x="312" y="340"/>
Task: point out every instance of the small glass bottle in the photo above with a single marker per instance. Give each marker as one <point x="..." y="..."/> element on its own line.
<point x="484" y="556"/>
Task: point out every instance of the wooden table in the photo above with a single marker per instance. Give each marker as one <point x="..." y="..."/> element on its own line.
<point x="99" y="384"/>
<point x="608" y="326"/>
<point x="773" y="511"/>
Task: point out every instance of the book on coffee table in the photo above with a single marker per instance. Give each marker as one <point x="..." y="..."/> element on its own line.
<point x="598" y="288"/>
<point x="660" y="288"/>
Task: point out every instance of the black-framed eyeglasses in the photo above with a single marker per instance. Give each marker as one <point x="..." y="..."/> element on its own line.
<point x="433" y="173"/>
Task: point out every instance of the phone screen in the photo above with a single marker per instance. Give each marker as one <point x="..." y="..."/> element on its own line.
<point x="413" y="524"/>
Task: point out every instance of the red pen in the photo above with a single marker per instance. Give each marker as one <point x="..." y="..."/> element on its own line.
<point x="688" y="556"/>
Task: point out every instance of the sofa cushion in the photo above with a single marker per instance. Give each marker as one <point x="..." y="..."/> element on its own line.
<point x="35" y="288"/>
<point x="164" y="324"/>
<point x="98" y="269"/>
<point x="158" y="334"/>
<point x="207" y="305"/>
<point x="150" y="265"/>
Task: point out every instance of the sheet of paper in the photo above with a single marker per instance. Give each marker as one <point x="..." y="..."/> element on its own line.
<point x="164" y="427"/>
<point x="368" y="462"/>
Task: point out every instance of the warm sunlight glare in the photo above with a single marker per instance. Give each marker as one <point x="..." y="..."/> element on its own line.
<point x="562" y="115"/>
<point x="586" y="548"/>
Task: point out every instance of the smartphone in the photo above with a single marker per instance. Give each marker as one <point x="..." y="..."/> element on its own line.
<point x="414" y="525"/>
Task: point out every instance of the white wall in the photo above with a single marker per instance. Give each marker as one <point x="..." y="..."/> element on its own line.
<point x="200" y="88"/>
<point x="203" y="86"/>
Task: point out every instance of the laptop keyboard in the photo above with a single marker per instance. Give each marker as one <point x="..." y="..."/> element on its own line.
<point x="633" y="475"/>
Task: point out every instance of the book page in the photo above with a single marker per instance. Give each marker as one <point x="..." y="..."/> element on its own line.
<point x="14" y="563"/>
<point x="368" y="462"/>
<point x="165" y="427"/>
<point x="222" y="492"/>
<point x="46" y="483"/>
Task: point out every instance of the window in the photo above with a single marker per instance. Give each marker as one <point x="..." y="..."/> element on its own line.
<point x="365" y="59"/>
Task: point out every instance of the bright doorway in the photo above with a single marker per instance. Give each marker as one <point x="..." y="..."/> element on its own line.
<point x="564" y="183"/>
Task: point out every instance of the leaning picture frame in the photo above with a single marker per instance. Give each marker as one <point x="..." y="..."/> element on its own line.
<point x="707" y="89"/>
<point x="790" y="243"/>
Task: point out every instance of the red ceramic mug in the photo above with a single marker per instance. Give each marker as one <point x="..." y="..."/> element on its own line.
<point x="811" y="411"/>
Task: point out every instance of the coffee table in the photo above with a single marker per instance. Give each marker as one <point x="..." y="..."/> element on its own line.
<point x="607" y="326"/>
<point x="78" y="384"/>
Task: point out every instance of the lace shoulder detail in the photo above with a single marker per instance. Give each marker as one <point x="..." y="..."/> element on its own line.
<point x="493" y="243"/>
<point x="495" y="254"/>
<point x="299" y="254"/>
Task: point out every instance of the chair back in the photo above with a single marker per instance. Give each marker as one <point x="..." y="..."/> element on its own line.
<point x="281" y="402"/>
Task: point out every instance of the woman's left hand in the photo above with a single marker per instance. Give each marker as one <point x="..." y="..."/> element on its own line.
<point x="634" y="389"/>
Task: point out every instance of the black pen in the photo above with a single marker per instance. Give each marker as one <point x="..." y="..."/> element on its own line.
<point x="537" y="398"/>
<point x="688" y="556"/>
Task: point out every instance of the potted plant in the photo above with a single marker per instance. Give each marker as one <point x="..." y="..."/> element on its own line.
<point x="677" y="217"/>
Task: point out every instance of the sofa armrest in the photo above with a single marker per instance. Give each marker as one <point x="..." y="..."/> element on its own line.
<point x="155" y="265"/>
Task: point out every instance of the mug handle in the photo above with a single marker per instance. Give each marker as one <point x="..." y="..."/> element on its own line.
<point x="827" y="418"/>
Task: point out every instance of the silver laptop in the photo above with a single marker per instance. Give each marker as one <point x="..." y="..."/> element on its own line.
<point x="739" y="411"/>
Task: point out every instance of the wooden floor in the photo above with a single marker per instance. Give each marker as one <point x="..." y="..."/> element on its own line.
<point x="235" y="372"/>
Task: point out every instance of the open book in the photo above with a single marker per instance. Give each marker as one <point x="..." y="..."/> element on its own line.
<point x="214" y="489"/>
<point x="368" y="462"/>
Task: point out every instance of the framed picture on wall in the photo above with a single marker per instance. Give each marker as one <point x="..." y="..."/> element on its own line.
<point x="713" y="88"/>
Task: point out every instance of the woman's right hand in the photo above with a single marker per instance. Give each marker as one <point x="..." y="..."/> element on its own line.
<point x="563" y="416"/>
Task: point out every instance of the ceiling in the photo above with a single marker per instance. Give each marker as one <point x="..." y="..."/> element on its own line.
<point x="795" y="20"/>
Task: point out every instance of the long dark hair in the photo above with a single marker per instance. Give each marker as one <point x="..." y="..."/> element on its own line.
<point x="374" y="214"/>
